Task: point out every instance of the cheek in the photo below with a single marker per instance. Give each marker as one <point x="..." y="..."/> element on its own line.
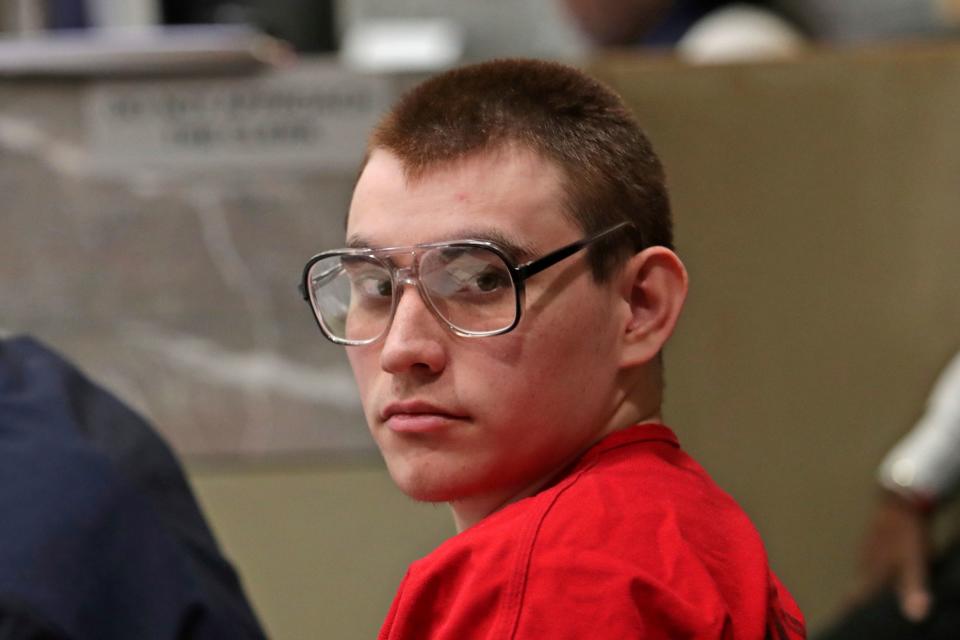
<point x="581" y="325"/>
<point x="365" y="363"/>
<point x="549" y="365"/>
<point x="578" y="346"/>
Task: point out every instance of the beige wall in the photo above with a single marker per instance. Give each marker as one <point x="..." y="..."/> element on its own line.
<point x="817" y="210"/>
<point x="321" y="551"/>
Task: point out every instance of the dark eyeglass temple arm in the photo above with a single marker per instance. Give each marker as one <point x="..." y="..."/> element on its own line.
<point x="536" y="266"/>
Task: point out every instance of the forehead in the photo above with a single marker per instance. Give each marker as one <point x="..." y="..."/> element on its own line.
<point x="510" y="194"/>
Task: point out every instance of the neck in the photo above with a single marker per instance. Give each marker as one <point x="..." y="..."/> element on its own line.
<point x="630" y="409"/>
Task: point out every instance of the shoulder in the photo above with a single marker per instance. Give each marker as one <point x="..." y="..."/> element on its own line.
<point x="88" y="498"/>
<point x="643" y="537"/>
<point x="642" y="488"/>
<point x="639" y="536"/>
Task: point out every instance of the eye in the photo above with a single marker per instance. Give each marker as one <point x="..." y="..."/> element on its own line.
<point x="490" y="280"/>
<point x="368" y="279"/>
<point x="473" y="275"/>
<point x="373" y="285"/>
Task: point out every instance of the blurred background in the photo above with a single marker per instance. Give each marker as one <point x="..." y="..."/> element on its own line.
<point x="167" y="168"/>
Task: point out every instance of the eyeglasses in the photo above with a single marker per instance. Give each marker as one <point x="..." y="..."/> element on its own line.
<point x="472" y="287"/>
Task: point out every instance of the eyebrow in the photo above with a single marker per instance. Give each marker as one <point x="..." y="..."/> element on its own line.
<point x="516" y="249"/>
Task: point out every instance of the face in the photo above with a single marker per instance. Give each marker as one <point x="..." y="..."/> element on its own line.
<point x="461" y="418"/>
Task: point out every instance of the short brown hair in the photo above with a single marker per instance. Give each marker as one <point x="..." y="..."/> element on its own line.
<point x="612" y="173"/>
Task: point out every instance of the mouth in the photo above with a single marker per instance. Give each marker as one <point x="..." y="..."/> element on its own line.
<point x="418" y="417"/>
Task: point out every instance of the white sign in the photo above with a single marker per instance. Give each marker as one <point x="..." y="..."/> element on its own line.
<point x="316" y="116"/>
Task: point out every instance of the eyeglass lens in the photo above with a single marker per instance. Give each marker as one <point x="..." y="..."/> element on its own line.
<point x="468" y="287"/>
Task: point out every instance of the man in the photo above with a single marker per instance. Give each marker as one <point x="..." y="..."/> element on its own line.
<point x="101" y="535"/>
<point x="507" y="290"/>
<point x="649" y="23"/>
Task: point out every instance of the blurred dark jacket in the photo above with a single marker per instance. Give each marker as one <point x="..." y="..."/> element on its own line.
<point x="101" y="537"/>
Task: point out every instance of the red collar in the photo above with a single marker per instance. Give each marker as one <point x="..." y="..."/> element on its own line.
<point x="644" y="432"/>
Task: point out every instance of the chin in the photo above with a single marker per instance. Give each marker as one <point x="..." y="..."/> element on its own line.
<point x="430" y="486"/>
<point x="424" y="490"/>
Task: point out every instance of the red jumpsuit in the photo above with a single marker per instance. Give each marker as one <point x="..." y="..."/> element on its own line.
<point x="635" y="541"/>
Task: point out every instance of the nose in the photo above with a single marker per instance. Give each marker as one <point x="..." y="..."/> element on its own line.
<point x="415" y="340"/>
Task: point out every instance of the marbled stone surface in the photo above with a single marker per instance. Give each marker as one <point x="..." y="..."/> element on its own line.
<point x="177" y="292"/>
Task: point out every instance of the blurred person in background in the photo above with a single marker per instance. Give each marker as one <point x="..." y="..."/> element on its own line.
<point x="903" y="593"/>
<point x="698" y="30"/>
<point x="101" y="537"/>
<point x="722" y="30"/>
<point x="617" y="23"/>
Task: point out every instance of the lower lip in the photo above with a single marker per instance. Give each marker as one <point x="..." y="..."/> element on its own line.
<point x="419" y="422"/>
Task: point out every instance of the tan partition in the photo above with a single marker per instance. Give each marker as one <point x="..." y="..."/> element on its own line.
<point x="321" y="551"/>
<point x="817" y="208"/>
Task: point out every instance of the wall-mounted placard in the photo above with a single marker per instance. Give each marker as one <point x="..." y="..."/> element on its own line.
<point x="314" y="116"/>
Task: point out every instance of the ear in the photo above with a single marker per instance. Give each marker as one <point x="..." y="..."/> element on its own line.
<point x="654" y="287"/>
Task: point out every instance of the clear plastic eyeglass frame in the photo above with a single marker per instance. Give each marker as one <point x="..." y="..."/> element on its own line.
<point x="410" y="275"/>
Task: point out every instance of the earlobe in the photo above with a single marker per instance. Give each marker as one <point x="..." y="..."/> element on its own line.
<point x="654" y="289"/>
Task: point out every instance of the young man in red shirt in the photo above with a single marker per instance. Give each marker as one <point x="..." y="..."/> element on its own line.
<point x="507" y="290"/>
